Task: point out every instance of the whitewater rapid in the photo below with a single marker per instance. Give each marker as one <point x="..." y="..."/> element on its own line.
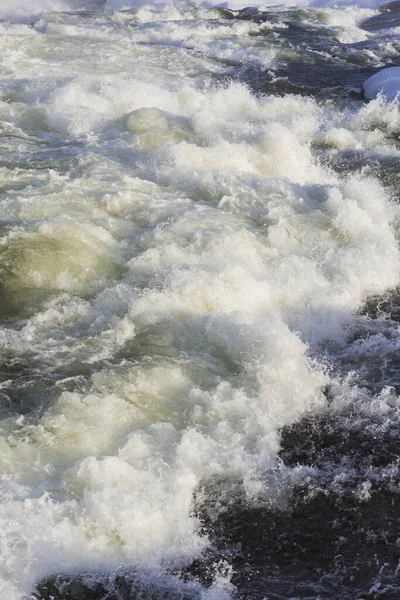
<point x="182" y="270"/>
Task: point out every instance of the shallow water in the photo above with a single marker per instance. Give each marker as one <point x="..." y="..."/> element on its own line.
<point x="199" y="268"/>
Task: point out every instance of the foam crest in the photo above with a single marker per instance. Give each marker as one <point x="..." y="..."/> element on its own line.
<point x="347" y="20"/>
<point x="240" y="4"/>
<point x="87" y="105"/>
<point x="27" y="9"/>
<point x="18" y="10"/>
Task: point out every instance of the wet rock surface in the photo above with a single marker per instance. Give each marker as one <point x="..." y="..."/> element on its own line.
<point x="121" y="585"/>
<point x="338" y="538"/>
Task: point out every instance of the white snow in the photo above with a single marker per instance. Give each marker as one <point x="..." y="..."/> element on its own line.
<point x="385" y="82"/>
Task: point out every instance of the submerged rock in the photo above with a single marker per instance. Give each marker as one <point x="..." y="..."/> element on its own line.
<point x="120" y="585"/>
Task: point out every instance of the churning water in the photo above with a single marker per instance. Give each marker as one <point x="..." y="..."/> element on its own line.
<point x="199" y="319"/>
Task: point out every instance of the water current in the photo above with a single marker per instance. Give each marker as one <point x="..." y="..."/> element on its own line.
<point x="199" y="337"/>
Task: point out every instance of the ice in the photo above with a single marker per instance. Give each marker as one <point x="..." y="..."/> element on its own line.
<point x="385" y="82"/>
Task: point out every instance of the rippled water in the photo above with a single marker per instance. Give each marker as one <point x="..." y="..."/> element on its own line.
<point x="199" y="321"/>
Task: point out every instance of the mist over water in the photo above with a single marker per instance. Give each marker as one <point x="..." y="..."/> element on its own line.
<point x="199" y="318"/>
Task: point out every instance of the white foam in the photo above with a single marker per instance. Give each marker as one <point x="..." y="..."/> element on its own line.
<point x="26" y="9"/>
<point x="192" y="255"/>
<point x="240" y="4"/>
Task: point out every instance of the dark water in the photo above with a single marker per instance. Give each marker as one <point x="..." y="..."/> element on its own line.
<point x="318" y="64"/>
<point x="389" y="17"/>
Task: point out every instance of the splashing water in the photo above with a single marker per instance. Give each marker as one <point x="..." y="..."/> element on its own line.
<point x="186" y="250"/>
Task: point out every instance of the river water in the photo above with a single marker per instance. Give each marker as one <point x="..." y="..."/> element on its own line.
<point x="199" y="318"/>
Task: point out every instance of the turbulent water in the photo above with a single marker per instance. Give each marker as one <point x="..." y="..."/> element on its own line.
<point x="199" y="318"/>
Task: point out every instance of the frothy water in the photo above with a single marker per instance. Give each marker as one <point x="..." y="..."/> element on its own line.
<point x="197" y="237"/>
